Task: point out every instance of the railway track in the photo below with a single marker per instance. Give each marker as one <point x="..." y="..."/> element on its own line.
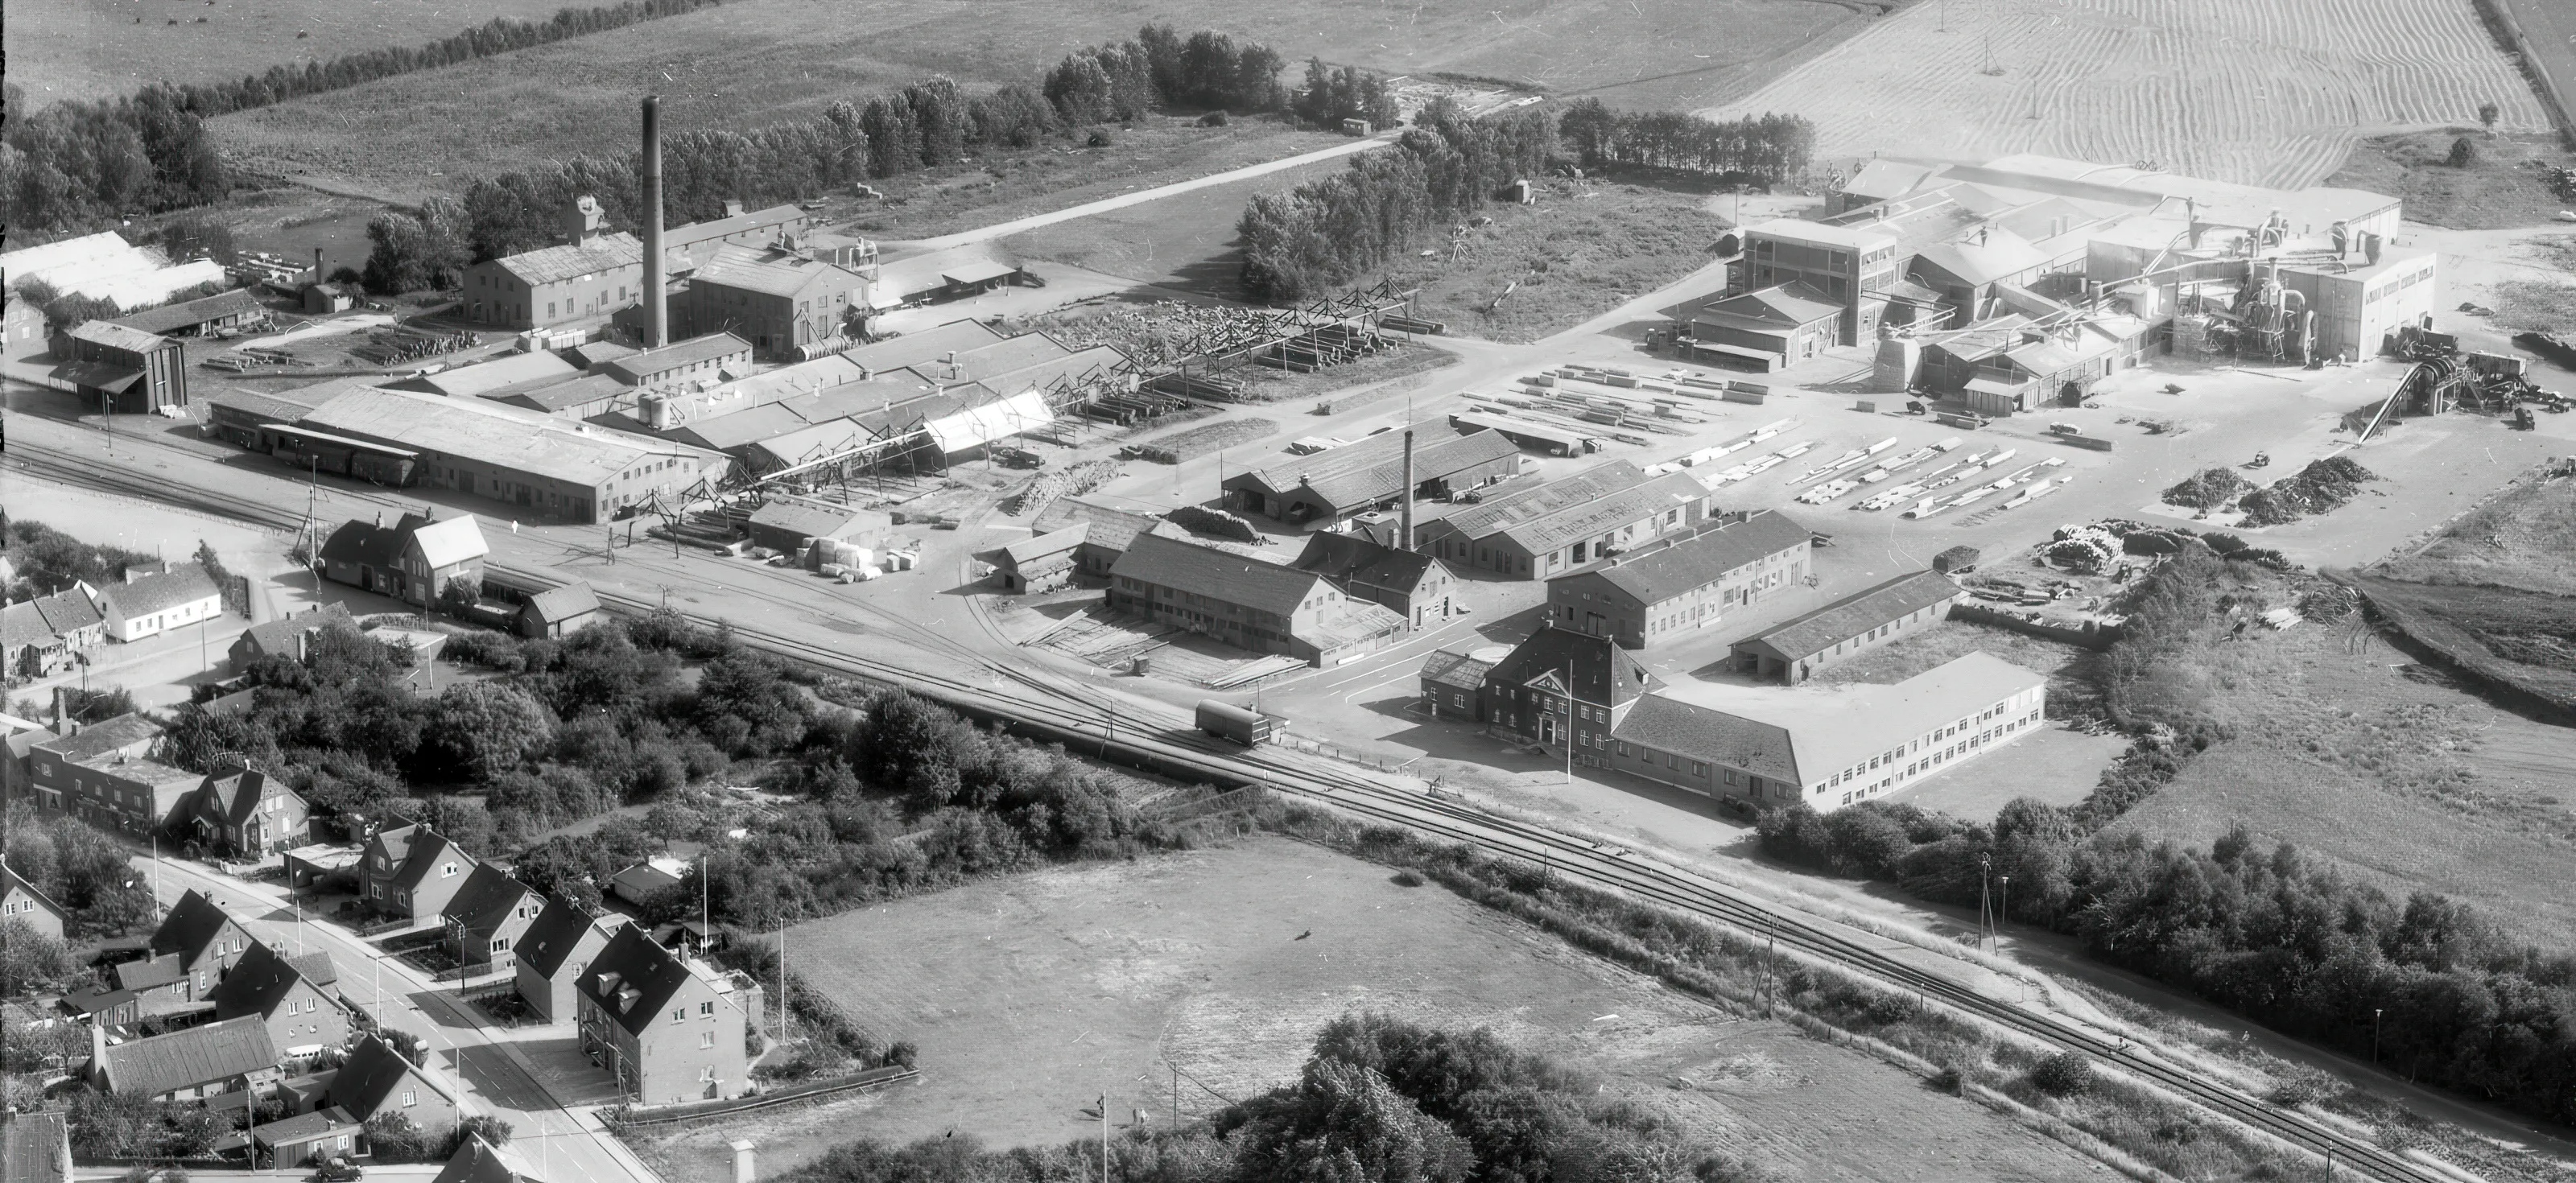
<point x="1079" y="715"/>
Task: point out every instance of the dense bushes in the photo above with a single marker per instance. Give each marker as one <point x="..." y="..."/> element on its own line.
<point x="44" y="560"/>
<point x="1331" y="96"/>
<point x="85" y="871"/>
<point x="1299" y="243"/>
<point x="2268" y="934"/>
<point x="108" y="1126"/>
<point x="1762" y="149"/>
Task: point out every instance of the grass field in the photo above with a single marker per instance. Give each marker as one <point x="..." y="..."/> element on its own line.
<point x="2535" y="304"/>
<point x="2502" y="188"/>
<point x="1186" y="241"/>
<point x="1033" y="996"/>
<point x="2523" y="537"/>
<point x="2274" y="94"/>
<point x="88" y="49"/>
<point x="2355" y="753"/>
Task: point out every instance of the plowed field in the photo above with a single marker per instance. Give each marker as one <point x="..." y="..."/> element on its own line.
<point x="2264" y="94"/>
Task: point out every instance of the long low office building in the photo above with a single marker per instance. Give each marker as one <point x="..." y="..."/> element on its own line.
<point x="1831" y="750"/>
<point x="539" y="464"/>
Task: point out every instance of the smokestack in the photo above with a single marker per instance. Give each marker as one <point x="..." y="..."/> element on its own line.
<point x="317" y="265"/>
<point x="1404" y="541"/>
<point x="657" y="306"/>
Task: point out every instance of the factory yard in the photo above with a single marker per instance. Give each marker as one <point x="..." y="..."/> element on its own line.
<point x="1033" y="996"/>
<point x="2118" y="81"/>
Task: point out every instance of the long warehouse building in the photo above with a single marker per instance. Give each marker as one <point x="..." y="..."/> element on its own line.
<point x="1336" y="483"/>
<point x="523" y="458"/>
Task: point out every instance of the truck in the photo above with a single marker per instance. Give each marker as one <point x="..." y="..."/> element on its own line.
<point x="1243" y="725"/>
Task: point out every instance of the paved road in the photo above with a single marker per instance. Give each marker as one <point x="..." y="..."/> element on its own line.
<point x="1140" y="197"/>
<point x="564" y="1144"/>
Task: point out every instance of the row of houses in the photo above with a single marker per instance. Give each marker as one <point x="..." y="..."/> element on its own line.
<point x="45" y="635"/>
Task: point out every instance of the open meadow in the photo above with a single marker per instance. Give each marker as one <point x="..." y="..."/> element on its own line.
<point x="2271" y="94"/>
<point x="1032" y="996"/>
<point x="2503" y="185"/>
<point x="753" y="62"/>
<point x="94" y="49"/>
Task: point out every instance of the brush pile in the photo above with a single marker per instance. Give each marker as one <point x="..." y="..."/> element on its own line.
<point x="2207" y="489"/>
<point x="2322" y="486"/>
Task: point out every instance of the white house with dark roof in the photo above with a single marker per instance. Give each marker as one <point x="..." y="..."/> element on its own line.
<point x="1829" y="750"/>
<point x="147" y="603"/>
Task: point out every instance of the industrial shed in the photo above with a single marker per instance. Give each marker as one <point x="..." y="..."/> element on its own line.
<point x="194" y="317"/>
<point x="1840" y="630"/>
<point x="1546" y="529"/>
<point x="1689" y="583"/>
<point x="1337" y="483"/>
<point x="539" y="463"/>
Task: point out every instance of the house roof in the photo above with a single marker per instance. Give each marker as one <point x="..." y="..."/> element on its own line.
<point x="768" y="270"/>
<point x="497" y="376"/>
<point x="652" y="874"/>
<point x="1053" y="542"/>
<point x="1372" y="470"/>
<point x="217" y="1051"/>
<point x="429" y="848"/>
<point x="317" y="968"/>
<point x="563" y="603"/>
<point x="371" y="1074"/>
<point x="97" y="999"/>
<point x="188" y="927"/>
<point x="37" y="1148"/>
<point x="1111" y="529"/>
<point x="1855" y="614"/>
<point x="1545" y="532"/>
<point x="486" y="899"/>
<point x="632" y="978"/>
<point x="68" y="611"/>
<point x="143" y="595"/>
<point x="99" y="739"/>
<point x="235" y="796"/>
<point x="1217" y="574"/>
<point x="237" y="302"/>
<point x="1789" y="305"/>
<point x="1671" y="725"/>
<point x="493" y="433"/>
<point x="118" y="336"/>
<point x="1349" y="558"/>
<point x="1603" y="672"/>
<point x="478" y="1161"/>
<point x="256" y="984"/>
<point x="364" y="543"/>
<point x="11" y="882"/>
<point x="24" y="624"/>
<point x="558" y="934"/>
<point x="1689" y="564"/>
<point x="637" y="368"/>
<point x="1455" y="669"/>
<point x="278" y="636"/>
<point x="396" y="842"/>
<point x="305" y="1127"/>
<point x="147" y="973"/>
<point x="547" y="264"/>
<point x="445" y="543"/>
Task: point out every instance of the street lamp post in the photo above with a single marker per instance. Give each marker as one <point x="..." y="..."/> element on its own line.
<point x="2375" y="1012"/>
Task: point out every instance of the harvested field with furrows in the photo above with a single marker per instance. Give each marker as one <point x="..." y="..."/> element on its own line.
<point x="2267" y="94"/>
<point x="95" y="49"/>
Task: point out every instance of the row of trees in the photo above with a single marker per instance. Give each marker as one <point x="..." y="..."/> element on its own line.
<point x="1764" y="149"/>
<point x="1330" y="96"/>
<point x="1380" y="1100"/>
<point x="2285" y="940"/>
<point x="1314" y="237"/>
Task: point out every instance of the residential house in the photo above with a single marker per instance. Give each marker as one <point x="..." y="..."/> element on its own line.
<point x="303" y="1012"/>
<point x="43" y="636"/>
<point x="245" y="814"/>
<point x="559" y="611"/>
<point x="24" y="901"/>
<point x="1246" y="602"/>
<point x="775" y="297"/>
<point x="1689" y="582"/>
<point x="1854" y="624"/>
<point x="669" y="1029"/>
<point x="478" y="1161"/>
<point x="148" y="602"/>
<point x="1547" y="529"/>
<point x="290" y="637"/>
<point x="328" y="1132"/>
<point x="412" y="872"/>
<point x="102" y="1006"/>
<point x="225" y="1056"/>
<point x="1414" y="585"/>
<point x="123" y="370"/>
<point x="376" y="1078"/>
<point x="104" y="773"/>
<point x="1337" y="483"/>
<point x="35" y="1147"/>
<point x="555" y="950"/>
<point x="195" y="945"/>
<point x="486" y="918"/>
<point x="1862" y="745"/>
<point x="412" y="561"/>
<point x="1562" y="685"/>
<point x="1452" y="683"/>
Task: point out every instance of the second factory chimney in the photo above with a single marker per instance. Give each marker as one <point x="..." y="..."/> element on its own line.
<point x="1404" y="541"/>
<point x="657" y="305"/>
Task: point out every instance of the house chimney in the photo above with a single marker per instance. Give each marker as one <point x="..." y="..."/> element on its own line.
<point x="657" y="304"/>
<point x="317" y="265"/>
<point x="1404" y="541"/>
<point x="742" y="1160"/>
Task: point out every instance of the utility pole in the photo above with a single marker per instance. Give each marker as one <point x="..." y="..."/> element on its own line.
<point x="2003" y="907"/>
<point x="2375" y="1012"/>
<point x="1985" y="885"/>
<point x="1104" y="1138"/>
<point x="1569" y="721"/>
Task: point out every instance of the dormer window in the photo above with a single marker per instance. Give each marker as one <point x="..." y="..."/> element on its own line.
<point x="448" y="871"/>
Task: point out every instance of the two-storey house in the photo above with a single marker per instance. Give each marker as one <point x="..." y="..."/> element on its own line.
<point x="412" y="560"/>
<point x="555" y="951"/>
<point x="21" y="901"/>
<point x="197" y="942"/>
<point x="246" y="814"/>
<point x="486" y="917"/>
<point x="669" y="1029"/>
<point x="411" y="871"/>
<point x="292" y="996"/>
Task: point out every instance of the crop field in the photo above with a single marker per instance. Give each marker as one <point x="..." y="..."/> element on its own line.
<point x="2268" y="94"/>
<point x="2503" y="187"/>
<point x="1032" y="997"/>
<point x="88" y="49"/>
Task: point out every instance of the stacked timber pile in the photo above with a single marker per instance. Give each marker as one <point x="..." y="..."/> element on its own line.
<point x="1063" y="482"/>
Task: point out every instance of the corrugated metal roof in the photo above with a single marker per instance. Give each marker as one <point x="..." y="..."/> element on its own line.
<point x="491" y="433"/>
<point x="1695" y="562"/>
<point x="642" y="367"/>
<point x="507" y="370"/>
<point x="118" y="336"/>
<point x="1219" y="575"/>
<point x="1854" y="614"/>
<point x="217" y="1051"/>
<point x="236" y="302"/>
<point x="769" y="272"/>
<point x="546" y="264"/>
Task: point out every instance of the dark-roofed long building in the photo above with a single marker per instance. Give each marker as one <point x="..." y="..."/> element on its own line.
<point x="1793" y="650"/>
<point x="1246" y="602"/>
<point x="1688" y="583"/>
<point x="1547" y="529"/>
<point x="1333" y="484"/>
<point x="225" y="1056"/>
<point x="222" y="310"/>
<point x="1415" y="585"/>
<point x="1557" y="685"/>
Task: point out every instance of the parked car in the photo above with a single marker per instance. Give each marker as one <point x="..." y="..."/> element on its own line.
<point x="336" y="1169"/>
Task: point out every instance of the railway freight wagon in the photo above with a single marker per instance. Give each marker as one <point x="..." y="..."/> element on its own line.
<point x="318" y="452"/>
<point x="1247" y="727"/>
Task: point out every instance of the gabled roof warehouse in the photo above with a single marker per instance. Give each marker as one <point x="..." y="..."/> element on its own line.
<point x="1215" y="574"/>
<point x="1356" y="476"/>
<point x="1689" y="564"/>
<point x="1854" y="615"/>
<point x="572" y="463"/>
